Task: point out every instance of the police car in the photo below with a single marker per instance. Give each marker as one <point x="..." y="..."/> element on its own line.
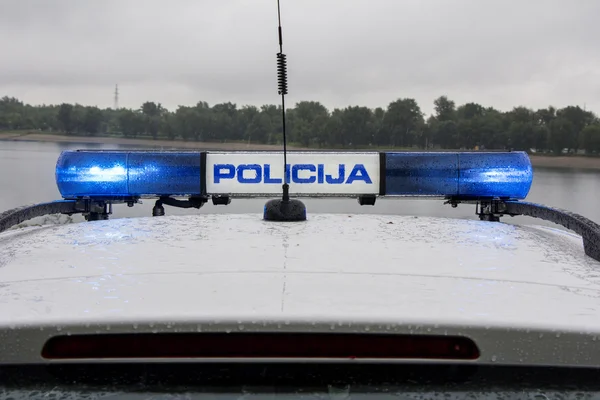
<point x="314" y="306"/>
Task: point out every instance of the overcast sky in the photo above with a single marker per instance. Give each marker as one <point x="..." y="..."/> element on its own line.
<point x="499" y="53"/>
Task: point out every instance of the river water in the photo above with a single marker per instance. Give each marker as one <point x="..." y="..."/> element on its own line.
<point x="28" y="177"/>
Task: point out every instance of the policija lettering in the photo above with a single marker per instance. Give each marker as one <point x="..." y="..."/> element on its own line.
<point x="311" y="173"/>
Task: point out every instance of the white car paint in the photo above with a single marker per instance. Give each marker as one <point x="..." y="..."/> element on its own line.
<point x="495" y="282"/>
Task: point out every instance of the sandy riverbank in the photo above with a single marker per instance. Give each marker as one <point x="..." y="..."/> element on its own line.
<point x="571" y="162"/>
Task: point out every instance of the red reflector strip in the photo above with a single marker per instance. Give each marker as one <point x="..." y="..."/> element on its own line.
<point x="259" y="345"/>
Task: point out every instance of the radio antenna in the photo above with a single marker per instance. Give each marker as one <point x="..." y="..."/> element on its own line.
<point x="284" y="209"/>
<point x="283" y="90"/>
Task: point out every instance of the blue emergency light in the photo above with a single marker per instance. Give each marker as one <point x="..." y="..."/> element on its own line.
<point x="126" y="174"/>
<point x="462" y="174"/>
<point x="138" y="174"/>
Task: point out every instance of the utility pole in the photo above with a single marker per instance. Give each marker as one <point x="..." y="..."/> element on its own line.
<point x="116" y="104"/>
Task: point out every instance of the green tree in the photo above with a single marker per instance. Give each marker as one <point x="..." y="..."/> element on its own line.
<point x="65" y="117"/>
<point x="259" y="128"/>
<point x="403" y="122"/>
<point x="334" y="130"/>
<point x="246" y="116"/>
<point x="152" y="113"/>
<point x="307" y="122"/>
<point x="358" y="126"/>
<point x="92" y="120"/>
<point x="578" y="119"/>
<point x="225" y="122"/>
<point x="560" y="134"/>
<point x="445" y="110"/>
<point x="184" y="122"/>
<point x="521" y="131"/>
<point x="273" y="113"/>
<point x="168" y="126"/>
<point x="131" y="123"/>
<point x="590" y="139"/>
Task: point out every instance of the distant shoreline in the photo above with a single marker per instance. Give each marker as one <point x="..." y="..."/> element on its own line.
<point x="139" y="142"/>
<point x="561" y="162"/>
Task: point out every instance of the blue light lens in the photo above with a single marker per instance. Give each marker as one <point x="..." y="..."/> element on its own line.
<point x="122" y="174"/>
<point x="421" y="174"/>
<point x="165" y="173"/>
<point x="461" y="175"/>
<point x="504" y="175"/>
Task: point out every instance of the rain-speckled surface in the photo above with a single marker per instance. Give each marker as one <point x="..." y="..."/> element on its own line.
<point x="335" y="272"/>
<point x="332" y="264"/>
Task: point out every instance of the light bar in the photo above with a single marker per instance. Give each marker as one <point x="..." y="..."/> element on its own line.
<point x="127" y="174"/>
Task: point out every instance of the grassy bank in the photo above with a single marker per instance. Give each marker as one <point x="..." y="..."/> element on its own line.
<point x="564" y="162"/>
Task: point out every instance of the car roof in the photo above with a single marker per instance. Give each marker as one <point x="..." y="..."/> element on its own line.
<point x="333" y="266"/>
<point x="334" y="271"/>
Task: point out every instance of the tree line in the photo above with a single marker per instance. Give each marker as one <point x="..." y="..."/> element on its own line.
<point x="401" y="124"/>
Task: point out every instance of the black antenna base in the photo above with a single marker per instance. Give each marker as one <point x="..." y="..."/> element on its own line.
<point x="285" y="210"/>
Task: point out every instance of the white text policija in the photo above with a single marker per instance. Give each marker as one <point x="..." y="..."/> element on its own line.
<point x="296" y="173"/>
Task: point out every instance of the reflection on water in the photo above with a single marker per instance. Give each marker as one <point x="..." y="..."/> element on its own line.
<point x="28" y="177"/>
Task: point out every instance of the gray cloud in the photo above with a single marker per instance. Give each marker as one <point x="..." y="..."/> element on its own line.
<point x="341" y="52"/>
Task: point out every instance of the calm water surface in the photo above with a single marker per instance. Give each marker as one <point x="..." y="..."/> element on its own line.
<point x="28" y="177"/>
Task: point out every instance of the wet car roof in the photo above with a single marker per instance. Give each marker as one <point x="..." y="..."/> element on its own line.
<point x="345" y="267"/>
